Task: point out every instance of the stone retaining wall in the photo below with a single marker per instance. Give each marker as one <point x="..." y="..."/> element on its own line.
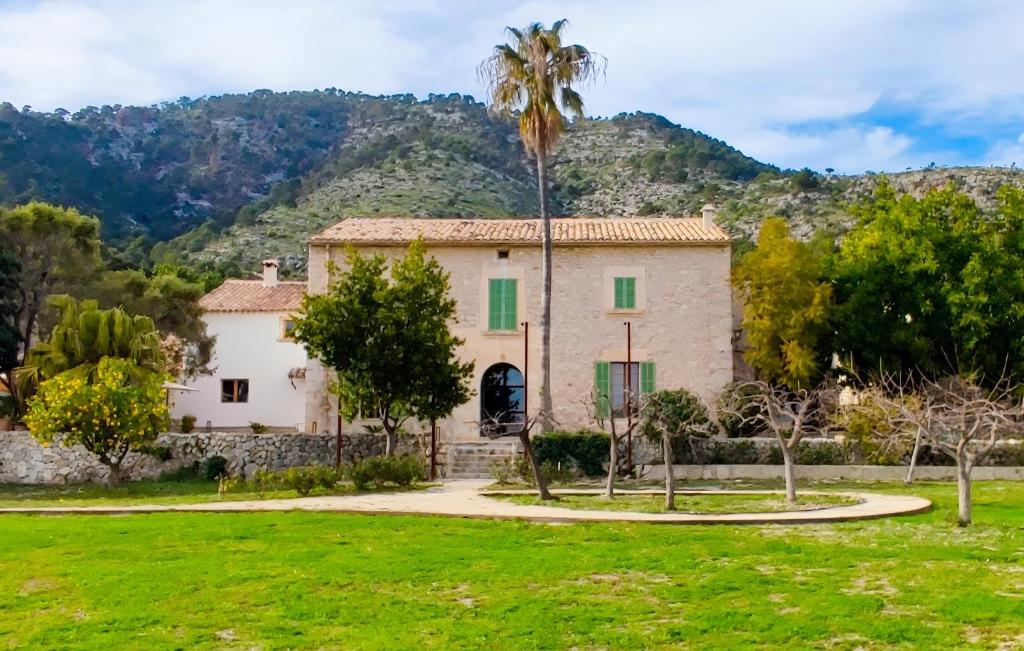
<point x="24" y="461"/>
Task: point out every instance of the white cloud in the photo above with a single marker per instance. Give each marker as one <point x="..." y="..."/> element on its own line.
<point x="1007" y="152"/>
<point x="787" y="81"/>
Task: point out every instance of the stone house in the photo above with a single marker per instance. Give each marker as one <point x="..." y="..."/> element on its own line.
<point x="258" y="369"/>
<point x="640" y="303"/>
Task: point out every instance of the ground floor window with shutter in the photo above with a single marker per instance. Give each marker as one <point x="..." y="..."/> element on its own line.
<point x="612" y="388"/>
<point x="234" y="390"/>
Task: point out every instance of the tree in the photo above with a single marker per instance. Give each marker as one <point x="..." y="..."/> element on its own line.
<point x="53" y="247"/>
<point x="670" y="415"/>
<point x="805" y="180"/>
<point x="786" y="306"/>
<point x="106" y="410"/>
<point x="789" y="414"/>
<point x="389" y="341"/>
<point x="10" y="337"/>
<point x="167" y="298"/>
<point x="533" y="76"/>
<point x="599" y="409"/>
<point x="955" y="415"/>
<point x="933" y="284"/>
<point x="84" y="336"/>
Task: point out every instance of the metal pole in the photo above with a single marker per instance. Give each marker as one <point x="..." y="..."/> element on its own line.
<point x="526" y="370"/>
<point x="628" y="381"/>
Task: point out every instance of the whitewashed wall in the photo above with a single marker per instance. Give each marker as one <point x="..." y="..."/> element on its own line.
<point x="248" y="347"/>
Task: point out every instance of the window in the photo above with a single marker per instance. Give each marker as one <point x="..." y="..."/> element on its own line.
<point x="503" y="254"/>
<point x="625" y="293"/>
<point x="502" y="401"/>
<point x="501" y="303"/>
<point x="287" y="326"/>
<point x="610" y="385"/>
<point x="234" y="390"/>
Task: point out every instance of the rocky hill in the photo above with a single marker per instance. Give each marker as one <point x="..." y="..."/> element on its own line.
<point x="226" y="181"/>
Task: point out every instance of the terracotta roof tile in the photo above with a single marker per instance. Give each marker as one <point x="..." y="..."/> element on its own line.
<point x="564" y="230"/>
<point x="253" y="296"/>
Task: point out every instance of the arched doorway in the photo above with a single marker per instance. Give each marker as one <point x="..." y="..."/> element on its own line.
<point x="502" y="401"/>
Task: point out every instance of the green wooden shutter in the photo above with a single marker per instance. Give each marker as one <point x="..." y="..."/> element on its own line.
<point x="510" y="304"/>
<point x="625" y="293"/>
<point x="646" y="377"/>
<point x="602" y="388"/>
<point x="495" y="289"/>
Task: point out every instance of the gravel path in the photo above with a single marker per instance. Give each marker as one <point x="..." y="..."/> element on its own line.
<point x="467" y="499"/>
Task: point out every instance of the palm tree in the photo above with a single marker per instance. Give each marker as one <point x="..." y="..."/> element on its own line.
<point x="533" y="75"/>
<point x="84" y="335"/>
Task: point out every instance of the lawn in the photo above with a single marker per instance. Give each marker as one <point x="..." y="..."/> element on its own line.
<point x="144" y="492"/>
<point x="706" y="503"/>
<point x="316" y="580"/>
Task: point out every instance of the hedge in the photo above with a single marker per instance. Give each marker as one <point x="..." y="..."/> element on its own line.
<point x="588" y="452"/>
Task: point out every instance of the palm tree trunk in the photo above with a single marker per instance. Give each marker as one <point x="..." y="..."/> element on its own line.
<point x="547" y="409"/>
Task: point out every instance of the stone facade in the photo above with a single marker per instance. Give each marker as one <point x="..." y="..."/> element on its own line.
<point x="24" y="461"/>
<point x="683" y="321"/>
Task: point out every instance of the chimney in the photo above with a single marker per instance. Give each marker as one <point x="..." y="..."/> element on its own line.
<point x="709" y="212"/>
<point x="270" y="273"/>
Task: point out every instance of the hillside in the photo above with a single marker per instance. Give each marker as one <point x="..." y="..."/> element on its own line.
<point x="225" y="181"/>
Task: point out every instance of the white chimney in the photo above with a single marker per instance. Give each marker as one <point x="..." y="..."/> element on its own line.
<point x="270" y="273"/>
<point x="708" y="212"/>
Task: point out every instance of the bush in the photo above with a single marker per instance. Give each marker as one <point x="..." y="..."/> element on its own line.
<point x="584" y="450"/>
<point x="188" y="423"/>
<point x="214" y="468"/>
<point x="258" y="428"/>
<point x="301" y="479"/>
<point x="378" y="471"/>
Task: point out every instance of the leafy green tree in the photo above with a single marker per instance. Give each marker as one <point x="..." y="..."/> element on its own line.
<point x="805" y="180"/>
<point x="933" y="284"/>
<point x="533" y="76"/>
<point x="53" y="247"/>
<point x="388" y="340"/>
<point x="84" y="336"/>
<point x="170" y="300"/>
<point x="786" y="306"/>
<point x="105" y="409"/>
<point x="670" y="415"/>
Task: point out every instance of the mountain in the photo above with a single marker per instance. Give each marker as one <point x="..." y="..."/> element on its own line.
<point x="225" y="181"/>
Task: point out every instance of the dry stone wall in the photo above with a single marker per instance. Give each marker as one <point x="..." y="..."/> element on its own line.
<point x="24" y="461"/>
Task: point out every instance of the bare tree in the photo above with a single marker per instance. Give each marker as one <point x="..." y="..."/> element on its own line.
<point x="671" y="415"/>
<point x="499" y="426"/>
<point x="616" y="431"/>
<point x="788" y="414"/>
<point x="954" y="415"/>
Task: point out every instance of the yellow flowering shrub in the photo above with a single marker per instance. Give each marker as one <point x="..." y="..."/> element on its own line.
<point x="110" y="411"/>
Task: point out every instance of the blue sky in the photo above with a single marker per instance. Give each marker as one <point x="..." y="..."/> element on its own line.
<point x="852" y="85"/>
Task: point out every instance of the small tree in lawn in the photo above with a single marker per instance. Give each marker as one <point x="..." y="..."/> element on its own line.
<point x="110" y="410"/>
<point x="954" y="415"/>
<point x="789" y="414"/>
<point x="599" y="409"/>
<point x="668" y="416"/>
<point x="388" y="340"/>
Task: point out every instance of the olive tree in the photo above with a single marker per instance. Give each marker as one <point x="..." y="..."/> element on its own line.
<point x="670" y="415"/>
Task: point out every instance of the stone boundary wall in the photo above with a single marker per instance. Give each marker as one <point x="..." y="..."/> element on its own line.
<point x="24" y="461"/>
<point x="864" y="473"/>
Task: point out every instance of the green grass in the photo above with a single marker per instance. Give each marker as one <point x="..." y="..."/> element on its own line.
<point x="142" y="492"/>
<point x="317" y="580"/>
<point x="708" y="503"/>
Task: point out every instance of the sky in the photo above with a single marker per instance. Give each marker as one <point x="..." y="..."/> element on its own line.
<point x="855" y="85"/>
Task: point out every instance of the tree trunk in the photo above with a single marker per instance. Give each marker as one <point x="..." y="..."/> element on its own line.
<point x="913" y="457"/>
<point x="390" y="438"/>
<point x="789" y="472"/>
<point x="538" y="477"/>
<point x="547" y="409"/>
<point x="613" y="463"/>
<point x="670" y="479"/>
<point x="963" y="491"/>
<point x="114" y="478"/>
